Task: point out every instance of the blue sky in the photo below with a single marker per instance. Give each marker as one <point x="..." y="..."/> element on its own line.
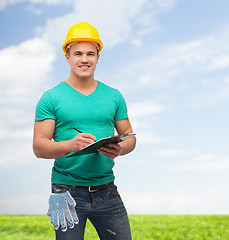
<point x="170" y="60"/>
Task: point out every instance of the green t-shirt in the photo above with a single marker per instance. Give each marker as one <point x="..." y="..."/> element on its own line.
<point x="95" y="114"/>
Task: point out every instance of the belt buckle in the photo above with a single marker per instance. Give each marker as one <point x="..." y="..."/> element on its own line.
<point x="91" y="191"/>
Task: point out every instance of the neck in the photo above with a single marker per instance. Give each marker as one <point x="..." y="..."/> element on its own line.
<point x="85" y="86"/>
<point x="75" y="81"/>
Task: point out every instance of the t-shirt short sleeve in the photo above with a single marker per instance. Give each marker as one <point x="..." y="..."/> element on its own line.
<point x="122" y="108"/>
<point x="45" y="108"/>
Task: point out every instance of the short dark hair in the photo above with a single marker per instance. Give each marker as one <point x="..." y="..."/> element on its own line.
<point x="68" y="51"/>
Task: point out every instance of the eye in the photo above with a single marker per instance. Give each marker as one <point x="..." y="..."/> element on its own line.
<point x="77" y="54"/>
<point x="91" y="54"/>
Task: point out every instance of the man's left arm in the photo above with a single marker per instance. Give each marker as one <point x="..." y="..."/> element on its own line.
<point x="124" y="127"/>
<point x="122" y="148"/>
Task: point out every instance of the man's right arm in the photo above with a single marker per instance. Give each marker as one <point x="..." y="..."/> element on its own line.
<point x="45" y="147"/>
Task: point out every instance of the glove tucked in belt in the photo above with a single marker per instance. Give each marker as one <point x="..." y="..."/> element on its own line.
<point x="62" y="208"/>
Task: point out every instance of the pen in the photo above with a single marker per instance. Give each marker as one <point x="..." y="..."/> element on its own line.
<point x="77" y="130"/>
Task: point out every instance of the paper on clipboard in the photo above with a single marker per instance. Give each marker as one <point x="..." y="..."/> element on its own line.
<point x="92" y="148"/>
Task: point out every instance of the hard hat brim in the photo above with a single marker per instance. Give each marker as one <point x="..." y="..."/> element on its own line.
<point x="64" y="46"/>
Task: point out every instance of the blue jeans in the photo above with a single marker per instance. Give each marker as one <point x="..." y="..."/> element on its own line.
<point x="105" y="210"/>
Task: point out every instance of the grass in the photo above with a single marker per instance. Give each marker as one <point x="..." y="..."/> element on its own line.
<point x="144" y="227"/>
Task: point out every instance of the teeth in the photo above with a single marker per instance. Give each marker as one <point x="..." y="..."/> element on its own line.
<point x="84" y="66"/>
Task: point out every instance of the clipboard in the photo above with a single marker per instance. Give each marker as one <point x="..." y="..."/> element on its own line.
<point x="92" y="148"/>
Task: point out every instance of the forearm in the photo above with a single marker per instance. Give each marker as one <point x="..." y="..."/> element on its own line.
<point x="48" y="149"/>
<point x="43" y="147"/>
<point x="127" y="146"/>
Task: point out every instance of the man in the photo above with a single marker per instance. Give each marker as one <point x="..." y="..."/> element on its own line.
<point x="86" y="181"/>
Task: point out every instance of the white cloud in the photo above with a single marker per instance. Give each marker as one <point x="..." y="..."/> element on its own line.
<point x="19" y="134"/>
<point x="177" y="68"/>
<point x="204" y="162"/>
<point x="153" y="203"/>
<point x="174" y="61"/>
<point x="6" y="3"/>
<point x="139" y="113"/>
<point x="24" y="68"/>
<point x="222" y="92"/>
<point x="24" y="204"/>
<point x="115" y="23"/>
<point x="165" y="5"/>
<point x="191" y="160"/>
<point x="137" y="42"/>
<point x="148" y="137"/>
<point x="176" y="203"/>
<point x="187" y="71"/>
<point x="144" y="108"/>
<point x="173" y="152"/>
<point x="17" y="152"/>
<point x="204" y="158"/>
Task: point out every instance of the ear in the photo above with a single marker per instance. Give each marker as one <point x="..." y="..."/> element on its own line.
<point x="98" y="57"/>
<point x="67" y="58"/>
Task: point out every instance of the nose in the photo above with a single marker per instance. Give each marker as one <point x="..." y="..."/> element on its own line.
<point x="84" y="58"/>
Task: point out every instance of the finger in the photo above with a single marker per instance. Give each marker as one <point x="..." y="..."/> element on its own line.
<point x="51" y="217"/>
<point x="74" y="214"/>
<point x="84" y="145"/>
<point x="110" y="150"/>
<point x="69" y="217"/>
<point x="62" y="220"/>
<point x="48" y="213"/>
<point x="108" y="154"/>
<point x="56" y="221"/>
<point x="89" y="136"/>
<point x="70" y="199"/>
<point x="116" y="146"/>
<point x="84" y="142"/>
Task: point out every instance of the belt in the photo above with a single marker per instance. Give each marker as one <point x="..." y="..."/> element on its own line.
<point x="95" y="188"/>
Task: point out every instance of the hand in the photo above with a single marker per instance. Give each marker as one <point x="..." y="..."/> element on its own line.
<point x="62" y="207"/>
<point x="81" y="141"/>
<point x="112" y="151"/>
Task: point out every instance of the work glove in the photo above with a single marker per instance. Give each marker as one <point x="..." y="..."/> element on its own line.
<point x="62" y="208"/>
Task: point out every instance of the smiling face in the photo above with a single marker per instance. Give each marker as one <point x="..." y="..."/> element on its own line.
<point x="82" y="58"/>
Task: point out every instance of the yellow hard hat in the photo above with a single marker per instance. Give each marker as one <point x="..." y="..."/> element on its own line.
<point x="82" y="32"/>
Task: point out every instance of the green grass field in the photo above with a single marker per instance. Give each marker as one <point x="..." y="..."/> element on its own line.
<point x="144" y="227"/>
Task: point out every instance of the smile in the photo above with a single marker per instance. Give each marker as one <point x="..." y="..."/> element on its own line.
<point x="84" y="67"/>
